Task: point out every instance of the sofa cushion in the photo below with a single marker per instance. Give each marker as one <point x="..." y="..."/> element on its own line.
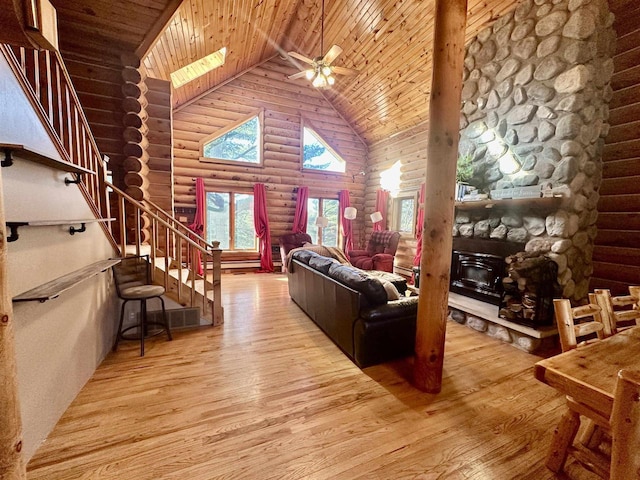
<point x="398" y="280"/>
<point x="360" y="281"/>
<point x="303" y="256"/>
<point x="322" y="264"/>
<point x="404" y="307"/>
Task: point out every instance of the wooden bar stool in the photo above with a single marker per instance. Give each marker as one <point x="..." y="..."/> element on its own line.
<point x="133" y="282"/>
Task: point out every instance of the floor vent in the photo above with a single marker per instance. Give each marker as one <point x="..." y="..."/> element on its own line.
<point x="188" y="317"/>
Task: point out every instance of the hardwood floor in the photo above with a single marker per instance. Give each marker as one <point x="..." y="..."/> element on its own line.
<point x="268" y="396"/>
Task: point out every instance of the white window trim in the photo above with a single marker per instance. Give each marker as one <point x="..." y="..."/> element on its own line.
<point x="394" y="220"/>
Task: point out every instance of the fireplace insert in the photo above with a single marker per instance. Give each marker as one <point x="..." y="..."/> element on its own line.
<point x="478" y="266"/>
<point x="477" y="275"/>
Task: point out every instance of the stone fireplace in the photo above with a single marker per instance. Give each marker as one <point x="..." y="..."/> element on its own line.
<point x="534" y="113"/>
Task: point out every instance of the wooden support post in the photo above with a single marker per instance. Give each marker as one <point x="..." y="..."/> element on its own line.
<point x="442" y="154"/>
<point x="11" y="462"/>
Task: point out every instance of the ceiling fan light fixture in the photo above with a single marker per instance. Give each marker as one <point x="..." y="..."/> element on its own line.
<point x="326" y="70"/>
<point x="310" y="74"/>
<point x="331" y="80"/>
<point x="320" y="81"/>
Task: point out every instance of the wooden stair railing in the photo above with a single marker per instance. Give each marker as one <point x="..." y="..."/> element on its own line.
<point x="47" y="84"/>
<point x="178" y="225"/>
<point x="167" y="253"/>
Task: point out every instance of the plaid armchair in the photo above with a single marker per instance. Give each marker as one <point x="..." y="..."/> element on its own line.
<point x="379" y="254"/>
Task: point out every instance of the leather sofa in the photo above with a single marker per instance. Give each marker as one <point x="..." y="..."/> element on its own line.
<point x="352" y="308"/>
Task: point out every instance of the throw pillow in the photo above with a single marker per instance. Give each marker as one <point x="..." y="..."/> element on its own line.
<point x="392" y="291"/>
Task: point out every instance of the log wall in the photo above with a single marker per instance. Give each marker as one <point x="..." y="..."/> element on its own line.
<point x="285" y="103"/>
<point x="159" y="123"/>
<point x="410" y="149"/>
<point x="616" y="257"/>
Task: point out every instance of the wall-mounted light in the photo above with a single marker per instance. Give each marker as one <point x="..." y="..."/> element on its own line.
<point x="350" y="213"/>
<point x="322" y="222"/>
<point x="376" y="217"/>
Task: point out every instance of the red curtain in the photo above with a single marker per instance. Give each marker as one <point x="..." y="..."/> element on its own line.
<point x="382" y="197"/>
<point x="261" y="224"/>
<point x="419" y="226"/>
<point x="300" y="220"/>
<point x="197" y="226"/>
<point x="347" y="232"/>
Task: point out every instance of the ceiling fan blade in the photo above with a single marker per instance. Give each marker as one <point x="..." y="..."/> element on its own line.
<point x="344" y="71"/>
<point x="332" y="54"/>
<point x="300" y="57"/>
<point x="298" y="75"/>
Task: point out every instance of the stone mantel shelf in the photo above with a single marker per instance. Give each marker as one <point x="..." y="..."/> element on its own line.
<point x="542" y="202"/>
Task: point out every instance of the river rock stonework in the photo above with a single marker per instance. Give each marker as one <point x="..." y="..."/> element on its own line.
<point x="536" y="89"/>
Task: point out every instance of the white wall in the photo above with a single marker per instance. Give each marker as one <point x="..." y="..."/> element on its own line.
<point x="59" y="343"/>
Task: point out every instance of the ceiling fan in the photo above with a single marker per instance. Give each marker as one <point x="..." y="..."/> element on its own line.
<point x="321" y="71"/>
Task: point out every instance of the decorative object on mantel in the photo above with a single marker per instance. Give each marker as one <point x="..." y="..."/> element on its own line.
<point x="529" y="289"/>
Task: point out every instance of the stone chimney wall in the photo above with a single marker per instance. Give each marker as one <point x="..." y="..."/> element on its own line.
<point x="536" y="90"/>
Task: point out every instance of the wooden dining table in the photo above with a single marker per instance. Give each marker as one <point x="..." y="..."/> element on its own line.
<point x="588" y="373"/>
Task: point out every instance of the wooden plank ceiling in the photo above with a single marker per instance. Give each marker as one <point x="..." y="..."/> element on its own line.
<point x="388" y="41"/>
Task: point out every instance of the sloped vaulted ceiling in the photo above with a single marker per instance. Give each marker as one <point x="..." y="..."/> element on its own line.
<point x="389" y="41"/>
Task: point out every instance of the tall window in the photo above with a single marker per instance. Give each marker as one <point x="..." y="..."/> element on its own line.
<point x="239" y="143"/>
<point x="404" y="214"/>
<point x="230" y="220"/>
<point x="318" y="155"/>
<point x="327" y="208"/>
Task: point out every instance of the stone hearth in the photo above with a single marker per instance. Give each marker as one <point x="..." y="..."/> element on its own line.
<point x="483" y="317"/>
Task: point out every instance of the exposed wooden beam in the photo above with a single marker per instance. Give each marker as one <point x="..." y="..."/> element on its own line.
<point x="442" y="152"/>
<point x="158" y="28"/>
<point x="11" y="462"/>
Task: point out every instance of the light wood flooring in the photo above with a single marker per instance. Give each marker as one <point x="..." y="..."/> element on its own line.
<point x="268" y="396"/>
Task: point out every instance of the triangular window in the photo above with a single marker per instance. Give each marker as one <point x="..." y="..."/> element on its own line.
<point x="318" y="155"/>
<point x="241" y="142"/>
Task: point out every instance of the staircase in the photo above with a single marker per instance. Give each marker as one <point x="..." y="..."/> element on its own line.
<point x="175" y="252"/>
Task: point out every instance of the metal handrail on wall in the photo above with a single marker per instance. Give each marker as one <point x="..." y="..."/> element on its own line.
<point x="47" y="84"/>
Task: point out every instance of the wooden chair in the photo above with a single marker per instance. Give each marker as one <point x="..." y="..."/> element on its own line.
<point x="616" y="309"/>
<point x="570" y="331"/>
<point x="563" y="440"/>
<point x="625" y="427"/>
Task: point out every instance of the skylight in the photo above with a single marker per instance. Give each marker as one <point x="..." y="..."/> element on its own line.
<point x="198" y="68"/>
